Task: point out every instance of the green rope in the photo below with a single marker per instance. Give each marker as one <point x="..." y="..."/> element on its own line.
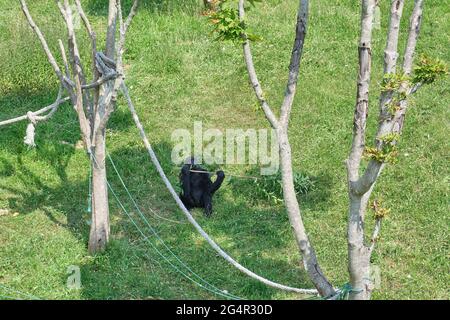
<point x="190" y="274"/>
<point x="89" y="206"/>
<point x="345" y="291"/>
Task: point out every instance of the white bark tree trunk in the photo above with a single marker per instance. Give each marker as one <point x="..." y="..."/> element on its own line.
<point x="358" y="253"/>
<point x="360" y="187"/>
<point x="307" y="252"/>
<point x="100" y="227"/>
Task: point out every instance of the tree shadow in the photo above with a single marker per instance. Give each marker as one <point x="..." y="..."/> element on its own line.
<point x="131" y="268"/>
<point x="40" y="195"/>
<point x="253" y="236"/>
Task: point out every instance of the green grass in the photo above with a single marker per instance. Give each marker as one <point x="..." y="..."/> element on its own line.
<point x="177" y="75"/>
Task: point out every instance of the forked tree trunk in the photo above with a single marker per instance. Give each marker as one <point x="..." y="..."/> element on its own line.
<point x="359" y="254"/>
<point x="361" y="186"/>
<point x="100" y="228"/>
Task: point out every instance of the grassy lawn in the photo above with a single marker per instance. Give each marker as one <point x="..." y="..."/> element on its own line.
<point x="178" y="74"/>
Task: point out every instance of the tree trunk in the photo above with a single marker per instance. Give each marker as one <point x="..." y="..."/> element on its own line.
<point x="358" y="252"/>
<point x="100" y="228"/>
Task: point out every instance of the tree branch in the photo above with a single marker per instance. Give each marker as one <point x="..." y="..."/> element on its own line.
<point x="131" y="15"/>
<point x="64" y="57"/>
<point x="391" y="51"/>
<point x="375" y="234"/>
<point x="111" y="31"/>
<point x="394" y="124"/>
<point x="252" y="73"/>
<point x="79" y="78"/>
<point x="44" y="44"/>
<point x="93" y="38"/>
<point x="362" y="96"/>
<point x="297" y="51"/>
<point x="414" y="31"/>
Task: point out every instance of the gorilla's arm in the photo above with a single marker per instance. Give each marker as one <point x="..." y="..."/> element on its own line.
<point x="216" y="185"/>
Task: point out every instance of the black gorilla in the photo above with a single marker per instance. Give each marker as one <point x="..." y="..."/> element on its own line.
<point x="198" y="188"/>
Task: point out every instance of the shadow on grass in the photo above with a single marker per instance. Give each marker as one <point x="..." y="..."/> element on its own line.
<point x="131" y="268"/>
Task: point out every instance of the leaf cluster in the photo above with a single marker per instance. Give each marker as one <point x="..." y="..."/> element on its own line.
<point x="227" y="25"/>
<point x="388" y="153"/>
<point x="380" y="211"/>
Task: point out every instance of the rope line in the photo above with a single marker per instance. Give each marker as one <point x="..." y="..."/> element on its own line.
<point x="227" y="174"/>
<point x="158" y="251"/>
<point x="29" y="296"/>
<point x="215" y="290"/>
<point x="188" y="215"/>
<point x="156" y="234"/>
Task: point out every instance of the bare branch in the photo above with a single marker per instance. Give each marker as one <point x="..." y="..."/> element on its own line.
<point x="86" y="23"/>
<point x="362" y="100"/>
<point x="64" y="57"/>
<point x="252" y="73"/>
<point x="414" y="31"/>
<point x="132" y="13"/>
<point x="79" y="79"/>
<point x="111" y="31"/>
<point x="41" y="38"/>
<point x="391" y="51"/>
<point x="93" y="38"/>
<point x="297" y="51"/>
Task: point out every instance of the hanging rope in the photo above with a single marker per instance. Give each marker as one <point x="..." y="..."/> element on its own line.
<point x="188" y="215"/>
<point x="206" y="285"/>
<point x="152" y="229"/>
